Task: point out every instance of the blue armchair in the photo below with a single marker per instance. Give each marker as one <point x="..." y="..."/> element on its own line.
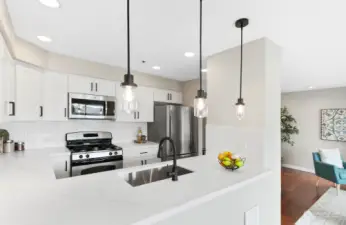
<point x="329" y="172"/>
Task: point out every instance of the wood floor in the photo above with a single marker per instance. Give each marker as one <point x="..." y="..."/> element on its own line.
<point x="299" y="193"/>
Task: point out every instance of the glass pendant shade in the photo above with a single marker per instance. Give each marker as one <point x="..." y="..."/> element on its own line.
<point x="240" y="109"/>
<point x="200" y="107"/>
<point x="129" y="104"/>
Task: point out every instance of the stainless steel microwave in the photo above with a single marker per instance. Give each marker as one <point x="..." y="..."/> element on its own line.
<point x="83" y="106"/>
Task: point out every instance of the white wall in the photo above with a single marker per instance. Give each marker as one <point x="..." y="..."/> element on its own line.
<point x="306" y="108"/>
<point x="190" y="91"/>
<point x="52" y="134"/>
<point x="257" y="136"/>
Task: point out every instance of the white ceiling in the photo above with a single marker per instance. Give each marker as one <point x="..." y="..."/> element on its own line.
<point x="311" y="33"/>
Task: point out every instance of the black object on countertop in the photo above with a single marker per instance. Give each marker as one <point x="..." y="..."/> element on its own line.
<point x="174" y="173"/>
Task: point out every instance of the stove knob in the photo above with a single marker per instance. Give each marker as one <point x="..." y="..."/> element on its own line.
<point x="115" y="153"/>
<point x="87" y="156"/>
<point x="110" y="153"/>
<point x="80" y="156"/>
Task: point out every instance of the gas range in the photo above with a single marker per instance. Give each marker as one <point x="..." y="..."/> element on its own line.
<point x="93" y="152"/>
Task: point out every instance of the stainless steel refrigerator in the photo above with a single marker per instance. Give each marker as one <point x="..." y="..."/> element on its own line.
<point x="179" y="123"/>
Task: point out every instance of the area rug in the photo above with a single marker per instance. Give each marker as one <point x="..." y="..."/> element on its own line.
<point x="330" y="209"/>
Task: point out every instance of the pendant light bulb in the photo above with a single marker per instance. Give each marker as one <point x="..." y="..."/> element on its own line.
<point x="200" y="107"/>
<point x="240" y="109"/>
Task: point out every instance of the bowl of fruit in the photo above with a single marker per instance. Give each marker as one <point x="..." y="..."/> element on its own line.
<point x="231" y="161"/>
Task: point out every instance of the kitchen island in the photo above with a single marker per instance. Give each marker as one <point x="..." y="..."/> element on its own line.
<point x="31" y="195"/>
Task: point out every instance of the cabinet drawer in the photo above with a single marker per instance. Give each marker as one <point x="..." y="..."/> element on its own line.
<point x="140" y="152"/>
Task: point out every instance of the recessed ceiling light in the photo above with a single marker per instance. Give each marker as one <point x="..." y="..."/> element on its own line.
<point x="50" y="3"/>
<point x="311" y="87"/>
<point x="44" y="39"/>
<point x="204" y="70"/>
<point x="189" y="54"/>
<point x="156" y="67"/>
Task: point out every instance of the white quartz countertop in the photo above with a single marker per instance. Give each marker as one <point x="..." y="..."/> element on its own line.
<point x="30" y="194"/>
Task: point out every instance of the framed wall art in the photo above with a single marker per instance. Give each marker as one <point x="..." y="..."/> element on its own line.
<point x="333" y="124"/>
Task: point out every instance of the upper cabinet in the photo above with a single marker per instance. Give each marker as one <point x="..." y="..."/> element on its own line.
<point x="28" y="105"/>
<point x="54" y="96"/>
<point x="167" y="96"/>
<point x="88" y="85"/>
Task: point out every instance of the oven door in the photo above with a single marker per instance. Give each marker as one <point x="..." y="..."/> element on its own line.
<point x="96" y="168"/>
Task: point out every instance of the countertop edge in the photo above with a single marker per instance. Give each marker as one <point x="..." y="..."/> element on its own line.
<point x="198" y="201"/>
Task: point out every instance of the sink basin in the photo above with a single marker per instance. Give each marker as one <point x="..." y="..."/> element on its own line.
<point x="142" y="177"/>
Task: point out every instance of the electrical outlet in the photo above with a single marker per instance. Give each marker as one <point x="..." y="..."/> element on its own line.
<point x="252" y="216"/>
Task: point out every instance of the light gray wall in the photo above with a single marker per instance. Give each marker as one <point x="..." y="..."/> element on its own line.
<point x="29" y="53"/>
<point x="190" y="91"/>
<point x="258" y="134"/>
<point x="305" y="106"/>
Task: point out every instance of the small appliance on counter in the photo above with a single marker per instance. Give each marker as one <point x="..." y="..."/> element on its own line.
<point x="19" y="146"/>
<point x="93" y="152"/>
<point x="8" y="146"/>
<point x="4" y="136"/>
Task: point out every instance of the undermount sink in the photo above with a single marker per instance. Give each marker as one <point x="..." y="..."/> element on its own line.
<point x="142" y="177"/>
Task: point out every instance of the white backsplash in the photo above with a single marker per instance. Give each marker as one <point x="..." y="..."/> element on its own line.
<point x="52" y="134"/>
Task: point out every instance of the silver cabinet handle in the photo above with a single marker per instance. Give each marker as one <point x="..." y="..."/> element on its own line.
<point x="134" y="115"/>
<point x="91" y="86"/>
<point x="137" y="115"/>
<point x="65" y="165"/>
<point x="65" y="112"/>
<point x="96" y="87"/>
<point x="168" y="96"/>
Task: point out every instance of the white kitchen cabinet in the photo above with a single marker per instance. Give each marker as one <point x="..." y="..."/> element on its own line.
<point x="145" y="97"/>
<point x="61" y="166"/>
<point x="54" y="96"/>
<point x="81" y="84"/>
<point x="28" y="94"/>
<point x="7" y="86"/>
<point x="104" y="87"/>
<point x="93" y="86"/>
<point x="167" y="96"/>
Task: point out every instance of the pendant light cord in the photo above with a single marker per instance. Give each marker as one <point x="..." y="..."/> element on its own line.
<point x="200" y="44"/>
<point x="128" y="38"/>
<point x="241" y="63"/>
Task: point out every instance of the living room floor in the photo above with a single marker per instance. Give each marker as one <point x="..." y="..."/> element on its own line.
<point x="299" y="193"/>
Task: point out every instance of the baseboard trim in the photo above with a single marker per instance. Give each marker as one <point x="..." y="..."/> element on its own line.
<point x="298" y="168"/>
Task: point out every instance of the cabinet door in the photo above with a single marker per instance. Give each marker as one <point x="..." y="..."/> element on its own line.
<point x="61" y="166"/>
<point x="104" y="87"/>
<point x="28" y="93"/>
<point x="161" y="95"/>
<point x="80" y="84"/>
<point x="146" y="104"/>
<point x="8" y="87"/>
<point x="54" y="94"/>
<point x="176" y="97"/>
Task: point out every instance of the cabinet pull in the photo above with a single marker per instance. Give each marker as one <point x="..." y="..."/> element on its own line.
<point x="96" y="87"/>
<point x="13" y="107"/>
<point x="168" y="96"/>
<point x="41" y="111"/>
<point x="137" y="115"/>
<point x="65" y="165"/>
<point x="143" y="153"/>
<point x="91" y="86"/>
<point x="65" y="112"/>
<point x="134" y="115"/>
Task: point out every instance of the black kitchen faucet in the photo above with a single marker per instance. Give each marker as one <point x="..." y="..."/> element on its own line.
<point x="174" y="173"/>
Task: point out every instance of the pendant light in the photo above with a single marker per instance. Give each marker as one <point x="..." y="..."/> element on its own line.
<point x="240" y="105"/>
<point x="129" y="104"/>
<point x="200" y="102"/>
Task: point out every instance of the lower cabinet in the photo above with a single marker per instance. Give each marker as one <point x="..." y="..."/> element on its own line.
<point x="61" y="166"/>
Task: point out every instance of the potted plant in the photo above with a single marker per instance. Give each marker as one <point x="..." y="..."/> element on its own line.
<point x="288" y="126"/>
